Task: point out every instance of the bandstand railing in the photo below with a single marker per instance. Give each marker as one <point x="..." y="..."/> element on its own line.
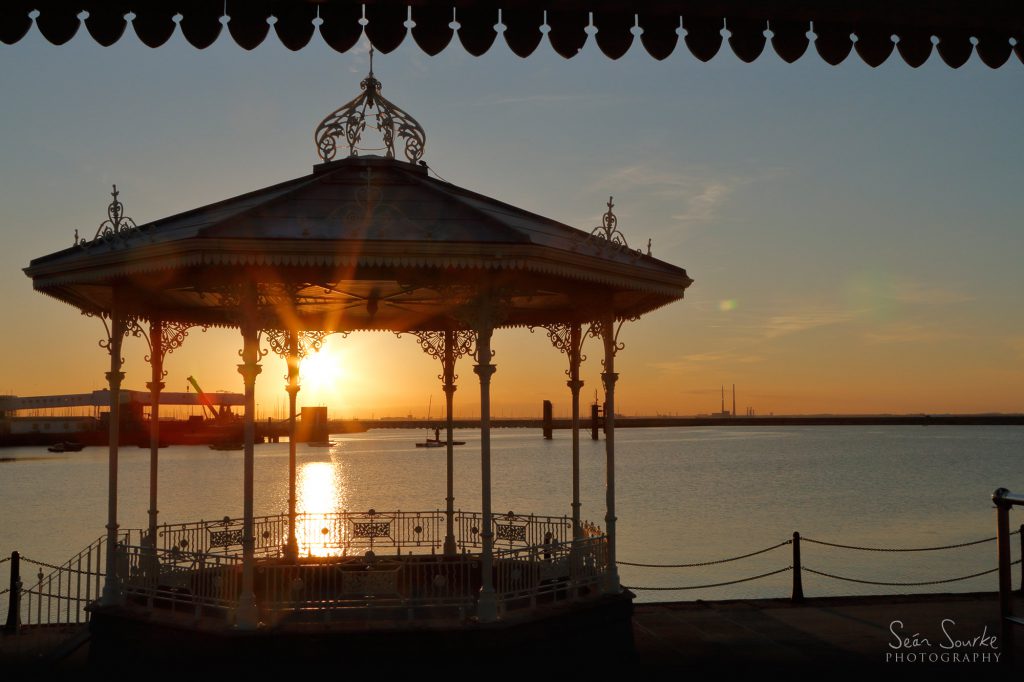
<point x="324" y="587"/>
<point x="347" y="561"/>
<point x="347" y="533"/>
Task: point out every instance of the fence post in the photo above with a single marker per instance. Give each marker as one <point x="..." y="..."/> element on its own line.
<point x="798" y="583"/>
<point x="14" y="602"/>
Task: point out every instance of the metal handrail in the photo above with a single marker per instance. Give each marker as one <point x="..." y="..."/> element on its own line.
<point x="345" y="533"/>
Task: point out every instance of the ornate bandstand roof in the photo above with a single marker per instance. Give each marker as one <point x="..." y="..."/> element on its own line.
<point x="362" y="242"/>
<point x="954" y="29"/>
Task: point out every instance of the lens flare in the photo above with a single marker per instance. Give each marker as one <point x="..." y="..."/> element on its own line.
<point x="728" y="305"/>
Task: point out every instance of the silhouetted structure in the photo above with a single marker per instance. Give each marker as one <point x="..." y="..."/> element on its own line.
<point x="363" y="243"/>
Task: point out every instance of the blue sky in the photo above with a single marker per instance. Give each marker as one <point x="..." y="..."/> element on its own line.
<point x="854" y="233"/>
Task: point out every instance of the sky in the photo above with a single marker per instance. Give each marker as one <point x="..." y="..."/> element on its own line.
<point x="854" y="234"/>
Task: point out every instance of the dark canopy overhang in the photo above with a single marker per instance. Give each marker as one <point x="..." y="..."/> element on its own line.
<point x="955" y="28"/>
<point x="360" y="243"/>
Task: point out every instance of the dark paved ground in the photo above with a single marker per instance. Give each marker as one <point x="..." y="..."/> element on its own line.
<point x="841" y="636"/>
<point x="827" y="638"/>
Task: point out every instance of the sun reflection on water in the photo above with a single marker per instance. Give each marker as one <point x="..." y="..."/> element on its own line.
<point x="320" y="495"/>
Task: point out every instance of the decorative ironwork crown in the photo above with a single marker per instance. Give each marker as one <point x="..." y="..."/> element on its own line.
<point x="349" y="122"/>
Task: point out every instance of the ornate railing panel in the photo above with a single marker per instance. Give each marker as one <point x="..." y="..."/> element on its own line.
<point x="512" y="530"/>
<point x="350" y="533"/>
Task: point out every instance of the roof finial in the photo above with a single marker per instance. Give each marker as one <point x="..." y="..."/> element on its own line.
<point x="116" y="226"/>
<point x="609" y="228"/>
<point x="348" y="123"/>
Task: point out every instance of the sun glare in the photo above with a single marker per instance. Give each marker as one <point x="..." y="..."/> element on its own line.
<point x="319" y="497"/>
<point x="321" y="375"/>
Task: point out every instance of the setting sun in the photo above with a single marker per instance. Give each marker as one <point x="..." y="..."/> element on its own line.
<point x="322" y="374"/>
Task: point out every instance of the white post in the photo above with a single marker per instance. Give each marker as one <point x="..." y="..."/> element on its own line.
<point x="111" y="584"/>
<point x="609" y="377"/>
<point x="487" y="604"/>
<point x="574" y="384"/>
<point x="450" y="548"/>
<point x="156" y="361"/>
<point x="292" y="549"/>
<point x="246" y="616"/>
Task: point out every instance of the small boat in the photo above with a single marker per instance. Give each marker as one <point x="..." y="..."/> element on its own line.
<point x="432" y="443"/>
<point x="226" y="446"/>
<point x="66" y="446"/>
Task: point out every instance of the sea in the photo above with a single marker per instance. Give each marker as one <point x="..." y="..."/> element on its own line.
<point x="688" y="495"/>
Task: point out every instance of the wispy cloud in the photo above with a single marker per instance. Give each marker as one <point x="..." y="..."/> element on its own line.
<point x="907" y="332"/>
<point x="694" y="361"/>
<point x="359" y="57"/>
<point x="698" y="193"/>
<point x="777" y="326"/>
<point x="701" y="207"/>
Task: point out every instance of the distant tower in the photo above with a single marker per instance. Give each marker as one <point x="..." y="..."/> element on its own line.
<point x="723" y="399"/>
<point x="734" y="400"/>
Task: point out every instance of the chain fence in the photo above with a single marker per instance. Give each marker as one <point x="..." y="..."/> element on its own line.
<point x="797" y="568"/>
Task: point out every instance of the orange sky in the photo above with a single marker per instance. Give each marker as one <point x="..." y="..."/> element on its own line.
<point x="854" y="234"/>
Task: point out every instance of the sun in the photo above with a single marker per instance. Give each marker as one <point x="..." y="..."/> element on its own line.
<point x="323" y="374"/>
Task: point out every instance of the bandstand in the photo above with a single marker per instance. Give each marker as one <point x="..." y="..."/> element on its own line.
<point x="362" y="244"/>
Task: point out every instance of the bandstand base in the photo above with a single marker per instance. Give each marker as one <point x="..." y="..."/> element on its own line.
<point x="591" y="634"/>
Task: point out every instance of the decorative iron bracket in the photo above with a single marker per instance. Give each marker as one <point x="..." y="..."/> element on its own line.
<point x="172" y="337"/>
<point x="131" y="328"/>
<point x="432" y="343"/>
<point x="599" y="328"/>
<point x="560" y="335"/>
<point x="305" y="342"/>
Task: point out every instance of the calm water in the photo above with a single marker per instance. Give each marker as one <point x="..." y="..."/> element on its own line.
<point x="684" y="495"/>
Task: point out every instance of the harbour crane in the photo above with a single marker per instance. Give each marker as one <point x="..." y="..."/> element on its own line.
<point x="204" y="399"/>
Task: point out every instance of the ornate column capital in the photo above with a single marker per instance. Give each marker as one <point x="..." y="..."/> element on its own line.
<point x="485" y="371"/>
<point x="289" y="343"/>
<point x="155" y="386"/>
<point x="435" y="343"/>
<point x="249" y="371"/>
